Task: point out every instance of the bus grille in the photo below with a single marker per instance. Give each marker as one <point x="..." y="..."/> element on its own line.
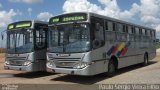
<point x="16" y="61"/>
<point x="66" y="63"/>
<point x="16" y="58"/>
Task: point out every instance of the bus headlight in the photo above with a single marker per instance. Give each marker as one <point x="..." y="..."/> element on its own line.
<point x="27" y="63"/>
<point x="49" y="64"/>
<point x="7" y="62"/>
<point x="81" y="65"/>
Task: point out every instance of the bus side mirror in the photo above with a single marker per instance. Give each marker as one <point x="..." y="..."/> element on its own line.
<point x="2" y="36"/>
<point x="97" y="43"/>
<point x="157" y="40"/>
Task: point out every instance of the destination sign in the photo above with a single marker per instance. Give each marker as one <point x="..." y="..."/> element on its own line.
<point x="11" y="26"/>
<point x="21" y="24"/>
<point x="69" y="18"/>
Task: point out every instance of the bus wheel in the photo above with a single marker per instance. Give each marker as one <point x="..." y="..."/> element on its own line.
<point x="145" y="60"/>
<point x="111" y="68"/>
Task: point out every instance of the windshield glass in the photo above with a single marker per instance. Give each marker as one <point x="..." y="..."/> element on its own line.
<point x="69" y="38"/>
<point x="19" y="41"/>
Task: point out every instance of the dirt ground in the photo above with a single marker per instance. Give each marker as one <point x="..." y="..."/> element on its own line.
<point x="134" y="74"/>
<point x="2" y="66"/>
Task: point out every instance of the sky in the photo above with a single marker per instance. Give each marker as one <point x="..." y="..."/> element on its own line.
<point x="143" y="12"/>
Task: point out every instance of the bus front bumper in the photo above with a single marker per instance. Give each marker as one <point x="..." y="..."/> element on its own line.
<point x="84" y="72"/>
<point x="19" y="68"/>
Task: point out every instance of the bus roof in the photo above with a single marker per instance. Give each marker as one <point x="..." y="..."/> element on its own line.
<point x="108" y="18"/>
<point x="117" y="20"/>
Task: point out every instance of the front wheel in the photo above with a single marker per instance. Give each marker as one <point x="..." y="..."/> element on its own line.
<point x="111" y="68"/>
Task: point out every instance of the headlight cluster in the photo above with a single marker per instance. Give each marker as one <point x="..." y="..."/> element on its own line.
<point x="81" y="65"/>
<point x="27" y="63"/>
<point x="7" y="62"/>
<point x="50" y="64"/>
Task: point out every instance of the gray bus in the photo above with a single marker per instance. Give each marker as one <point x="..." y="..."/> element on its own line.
<point x="26" y="46"/>
<point x="85" y="43"/>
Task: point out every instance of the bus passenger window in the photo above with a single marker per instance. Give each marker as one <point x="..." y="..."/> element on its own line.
<point x="150" y="33"/>
<point x="140" y="31"/>
<point x="114" y="27"/>
<point x="99" y="33"/>
<point x="133" y="30"/>
<point x="146" y="32"/>
<point x="129" y="29"/>
<point x="106" y="25"/>
<point x="119" y="27"/>
<point x="153" y="33"/>
<point x="110" y="26"/>
<point x="97" y="27"/>
<point x="143" y="32"/>
<point x="137" y="30"/>
<point x="40" y="37"/>
<point x="124" y="28"/>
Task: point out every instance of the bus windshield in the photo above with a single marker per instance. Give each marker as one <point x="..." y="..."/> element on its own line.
<point x="69" y="38"/>
<point x="19" y="41"/>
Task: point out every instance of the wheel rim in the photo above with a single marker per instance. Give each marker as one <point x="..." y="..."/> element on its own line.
<point x="111" y="68"/>
<point x="146" y="60"/>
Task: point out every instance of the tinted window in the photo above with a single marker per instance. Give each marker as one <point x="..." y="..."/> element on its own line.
<point x="137" y="30"/>
<point x="120" y="27"/>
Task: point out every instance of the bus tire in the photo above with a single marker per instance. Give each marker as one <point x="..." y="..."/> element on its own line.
<point x="111" y="68"/>
<point x="145" y="63"/>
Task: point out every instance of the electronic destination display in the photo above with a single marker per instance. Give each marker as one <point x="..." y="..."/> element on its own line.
<point x="22" y="24"/>
<point x="68" y="18"/>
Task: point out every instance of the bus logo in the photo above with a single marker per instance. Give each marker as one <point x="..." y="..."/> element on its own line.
<point x="119" y="49"/>
<point x="63" y="64"/>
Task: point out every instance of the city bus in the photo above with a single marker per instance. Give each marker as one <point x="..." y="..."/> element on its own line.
<point x="84" y="43"/>
<point x="26" y="46"/>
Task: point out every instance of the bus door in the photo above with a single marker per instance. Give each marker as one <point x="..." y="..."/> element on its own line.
<point x="40" y="45"/>
<point x="97" y="38"/>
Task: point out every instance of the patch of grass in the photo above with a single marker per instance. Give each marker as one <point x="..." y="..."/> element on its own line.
<point x="157" y="45"/>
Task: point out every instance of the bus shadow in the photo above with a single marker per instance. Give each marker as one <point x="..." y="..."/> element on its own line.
<point x="97" y="78"/>
<point x="33" y="74"/>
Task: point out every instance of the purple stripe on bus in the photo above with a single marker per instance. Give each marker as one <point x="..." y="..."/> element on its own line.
<point x="110" y="51"/>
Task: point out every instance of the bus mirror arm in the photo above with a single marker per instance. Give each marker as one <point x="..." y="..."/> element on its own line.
<point x="2" y="34"/>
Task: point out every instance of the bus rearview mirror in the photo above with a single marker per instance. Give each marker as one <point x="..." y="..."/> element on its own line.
<point x="2" y="36"/>
<point x="157" y="40"/>
<point x="97" y="43"/>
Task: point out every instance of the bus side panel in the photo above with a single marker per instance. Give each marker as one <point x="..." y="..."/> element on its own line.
<point x="129" y="58"/>
<point x="151" y="56"/>
<point x="152" y="53"/>
<point x="98" y="57"/>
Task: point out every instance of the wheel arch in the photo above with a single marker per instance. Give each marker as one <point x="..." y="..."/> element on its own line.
<point x="146" y="53"/>
<point x="115" y="60"/>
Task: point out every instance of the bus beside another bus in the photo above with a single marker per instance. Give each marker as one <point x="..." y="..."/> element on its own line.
<point x="26" y="46"/>
<point x="88" y="44"/>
